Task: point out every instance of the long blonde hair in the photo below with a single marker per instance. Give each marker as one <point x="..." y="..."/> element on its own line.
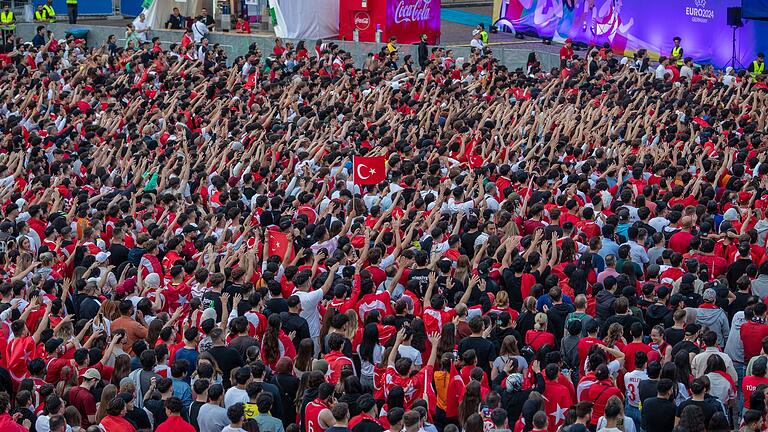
<point x="502" y="299"/>
<point x="462" y="269"/>
<point x="351" y="324"/>
<point x="107" y="394"/>
<point x="614" y="334"/>
<point x="540" y="322"/>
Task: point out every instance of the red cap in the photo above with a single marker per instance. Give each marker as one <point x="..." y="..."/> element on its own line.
<point x="744" y="196"/>
<point x="569" y="40"/>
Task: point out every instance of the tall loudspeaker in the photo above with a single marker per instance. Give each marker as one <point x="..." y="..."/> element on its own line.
<point x="734" y="17"/>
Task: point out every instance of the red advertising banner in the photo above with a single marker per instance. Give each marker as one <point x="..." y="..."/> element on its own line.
<point x="409" y="19"/>
<point x="364" y="20"/>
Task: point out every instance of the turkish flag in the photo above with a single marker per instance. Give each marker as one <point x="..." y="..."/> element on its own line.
<point x="369" y="170"/>
<point x="20" y="352"/>
<point x="557" y="400"/>
<point x="278" y="243"/>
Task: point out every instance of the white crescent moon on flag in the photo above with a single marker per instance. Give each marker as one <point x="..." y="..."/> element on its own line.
<point x="362" y="177"/>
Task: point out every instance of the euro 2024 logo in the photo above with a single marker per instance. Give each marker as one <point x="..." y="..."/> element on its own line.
<point x="699" y="13"/>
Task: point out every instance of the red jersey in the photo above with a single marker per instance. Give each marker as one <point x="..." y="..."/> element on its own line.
<point x="598" y="394"/>
<point x="749" y="384"/>
<point x="312" y="415"/>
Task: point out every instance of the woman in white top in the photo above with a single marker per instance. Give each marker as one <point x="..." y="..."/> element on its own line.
<point x="614" y="419"/>
<point x="721" y="384"/>
<point x="370" y="351"/>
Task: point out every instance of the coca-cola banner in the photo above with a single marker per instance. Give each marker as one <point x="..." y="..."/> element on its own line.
<point x="407" y="20"/>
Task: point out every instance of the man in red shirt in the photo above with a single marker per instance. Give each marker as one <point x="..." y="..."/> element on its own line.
<point x="754" y="330"/>
<point x="681" y="240"/>
<point x="81" y="397"/>
<point x="557" y="398"/>
<point x="636" y="330"/>
<point x="599" y="392"/>
<point x="174" y="423"/>
<point x="566" y="52"/>
<point x="750" y="382"/>
<point x="585" y="343"/>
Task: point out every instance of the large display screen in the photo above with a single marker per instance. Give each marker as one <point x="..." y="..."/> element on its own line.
<point x="628" y="25"/>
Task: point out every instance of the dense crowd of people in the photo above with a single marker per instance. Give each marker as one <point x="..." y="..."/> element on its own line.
<point x="187" y="245"/>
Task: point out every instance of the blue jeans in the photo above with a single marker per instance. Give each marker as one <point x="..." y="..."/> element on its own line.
<point x="741" y="370"/>
<point x="634" y="413"/>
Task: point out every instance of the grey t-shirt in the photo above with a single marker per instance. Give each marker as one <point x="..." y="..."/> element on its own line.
<point x="212" y="418"/>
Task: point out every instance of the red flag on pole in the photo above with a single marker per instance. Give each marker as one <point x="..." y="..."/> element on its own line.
<point x="369" y="170"/>
<point x="20" y="352"/>
<point x="278" y="243"/>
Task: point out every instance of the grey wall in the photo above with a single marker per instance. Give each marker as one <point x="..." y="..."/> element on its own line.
<point x="236" y="44"/>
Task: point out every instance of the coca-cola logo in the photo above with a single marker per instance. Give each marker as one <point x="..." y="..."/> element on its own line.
<point x="412" y="11"/>
<point x="362" y="20"/>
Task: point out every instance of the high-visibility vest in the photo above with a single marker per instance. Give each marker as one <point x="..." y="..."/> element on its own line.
<point x="72" y="2"/>
<point x="40" y="15"/>
<point x="6" y="19"/>
<point x="676" y="51"/>
<point x="757" y="68"/>
<point x="484" y="36"/>
<point x="49" y="12"/>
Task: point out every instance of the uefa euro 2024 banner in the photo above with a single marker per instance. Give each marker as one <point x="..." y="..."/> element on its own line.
<point x="628" y="25"/>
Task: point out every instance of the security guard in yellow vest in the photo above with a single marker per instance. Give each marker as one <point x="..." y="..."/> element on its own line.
<point x="50" y="14"/>
<point x="40" y="15"/>
<point x="7" y="25"/>
<point x="757" y="67"/>
<point x="677" y="52"/>
<point x="72" y="11"/>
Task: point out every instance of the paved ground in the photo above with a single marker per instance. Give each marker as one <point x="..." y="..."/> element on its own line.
<point x="453" y="33"/>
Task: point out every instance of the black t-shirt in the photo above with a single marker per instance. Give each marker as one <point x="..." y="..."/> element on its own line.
<point x="658" y="415"/>
<point x="227" y="358"/>
<point x="138" y="418"/>
<point x="194" y="410"/>
<point x="484" y="350"/>
<point x="118" y="254"/>
<point x="707" y="408"/>
<point x="422" y="276"/>
<point x="647" y="389"/>
<point x="468" y="242"/>
<point x="674" y="335"/>
<point x="367" y="426"/>
<point x="213" y="299"/>
<point x="685" y="346"/>
<point x="277" y="305"/>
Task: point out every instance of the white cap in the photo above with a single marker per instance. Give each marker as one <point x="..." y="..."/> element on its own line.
<point x="152" y="280"/>
<point x="102" y="256"/>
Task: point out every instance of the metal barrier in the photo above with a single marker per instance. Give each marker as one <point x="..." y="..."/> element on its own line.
<point x="236" y="44"/>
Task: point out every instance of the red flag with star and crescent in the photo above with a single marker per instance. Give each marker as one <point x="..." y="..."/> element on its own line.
<point x="369" y="170"/>
<point x="20" y="352"/>
<point x="278" y="243"/>
<point x="557" y="400"/>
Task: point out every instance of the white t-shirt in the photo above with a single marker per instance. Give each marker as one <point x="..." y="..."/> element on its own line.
<point x="661" y="71"/>
<point x="235" y="396"/>
<point x="140" y="26"/>
<point x="632" y="386"/>
<point x="411" y="353"/>
<point x="629" y="425"/>
<point x="309" y="302"/>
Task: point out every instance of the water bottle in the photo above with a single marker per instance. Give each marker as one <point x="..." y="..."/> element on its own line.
<point x="356" y="35"/>
<point x="378" y="33"/>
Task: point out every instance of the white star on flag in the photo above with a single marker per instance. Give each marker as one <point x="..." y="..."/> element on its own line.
<point x="277" y="245"/>
<point x="558" y="414"/>
<point x="372" y="171"/>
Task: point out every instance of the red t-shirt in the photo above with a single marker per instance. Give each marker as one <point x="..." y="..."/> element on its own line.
<point x="749" y="384"/>
<point x="680" y="242"/>
<point x="175" y="424"/>
<point x="82" y="399"/>
<point x="752" y="334"/>
<point x="583" y="347"/>
<point x="629" y="353"/>
<point x="537" y="339"/>
<point x="598" y="394"/>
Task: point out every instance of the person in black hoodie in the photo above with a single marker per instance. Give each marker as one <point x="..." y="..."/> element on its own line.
<point x="366" y="421"/>
<point x="604" y="299"/>
<point x="659" y="313"/>
<point x="557" y="314"/>
<point x="509" y="385"/>
<point x="423" y="51"/>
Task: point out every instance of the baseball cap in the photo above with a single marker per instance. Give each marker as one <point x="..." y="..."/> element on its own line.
<point x="663" y="291"/>
<point x="91" y="373"/>
<point x="103" y="256"/>
<point x="709" y="295"/>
